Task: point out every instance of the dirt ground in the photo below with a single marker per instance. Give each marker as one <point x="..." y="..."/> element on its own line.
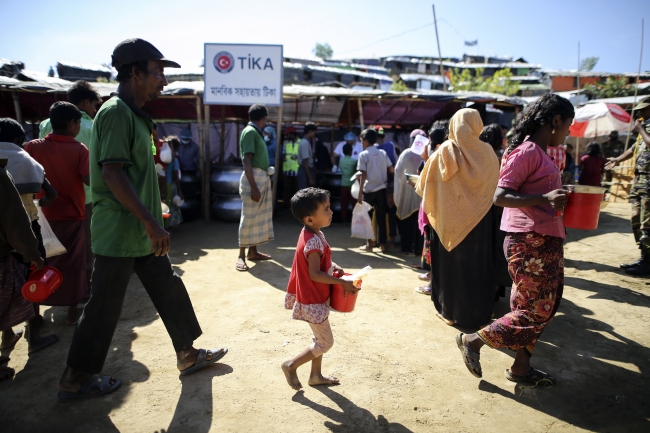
<point x="399" y="366"/>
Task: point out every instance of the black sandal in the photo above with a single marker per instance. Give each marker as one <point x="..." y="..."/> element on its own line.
<point x="533" y="377"/>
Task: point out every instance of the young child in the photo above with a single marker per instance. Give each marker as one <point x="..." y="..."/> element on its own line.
<point x="309" y="284"/>
<point x="374" y="166"/>
<point x="348" y="168"/>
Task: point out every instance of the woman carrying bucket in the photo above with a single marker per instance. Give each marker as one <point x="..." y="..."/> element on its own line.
<point x="530" y="190"/>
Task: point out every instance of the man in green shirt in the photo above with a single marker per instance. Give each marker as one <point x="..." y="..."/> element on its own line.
<point x="127" y="230"/>
<point x="256" y="224"/>
<point x="86" y="98"/>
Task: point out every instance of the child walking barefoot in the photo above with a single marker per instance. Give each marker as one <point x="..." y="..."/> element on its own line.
<point x="309" y="284"/>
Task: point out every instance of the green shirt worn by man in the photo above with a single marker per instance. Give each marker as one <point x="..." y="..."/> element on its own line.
<point x="83" y="137"/>
<point x="120" y="135"/>
<point x="252" y="142"/>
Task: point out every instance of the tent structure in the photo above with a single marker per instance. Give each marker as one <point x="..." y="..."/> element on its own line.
<point x="594" y="120"/>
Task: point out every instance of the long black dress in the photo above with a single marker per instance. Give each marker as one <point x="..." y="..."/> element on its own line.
<point x="463" y="280"/>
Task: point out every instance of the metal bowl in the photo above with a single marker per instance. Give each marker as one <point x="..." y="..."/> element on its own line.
<point x="226" y="208"/>
<point x="225" y="179"/>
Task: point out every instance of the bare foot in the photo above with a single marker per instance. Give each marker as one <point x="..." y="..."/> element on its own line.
<point x="323" y="380"/>
<point x="447" y="322"/>
<point x="292" y="377"/>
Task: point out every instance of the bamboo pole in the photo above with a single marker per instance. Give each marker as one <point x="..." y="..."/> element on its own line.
<point x="361" y="114"/>
<point x="19" y="114"/>
<point x="223" y="134"/>
<point x="206" y="164"/>
<point x="277" y="157"/>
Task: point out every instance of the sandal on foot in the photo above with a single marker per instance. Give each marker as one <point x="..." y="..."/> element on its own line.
<point x="533" y="377"/>
<point x="447" y="321"/>
<point x="424" y="277"/>
<point x="472" y="359"/>
<point x="202" y="361"/>
<point x="241" y="265"/>
<point x="11" y="345"/>
<point x="95" y="382"/>
<point x="366" y="248"/>
<point x="425" y="290"/>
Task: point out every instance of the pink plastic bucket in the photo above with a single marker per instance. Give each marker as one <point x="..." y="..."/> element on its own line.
<point x="583" y="209"/>
<point x="341" y="302"/>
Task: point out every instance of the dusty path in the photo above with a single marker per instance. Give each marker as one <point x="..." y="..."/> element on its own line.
<point x="399" y="366"/>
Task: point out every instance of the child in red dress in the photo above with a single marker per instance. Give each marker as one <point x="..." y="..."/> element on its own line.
<point x="309" y="284"/>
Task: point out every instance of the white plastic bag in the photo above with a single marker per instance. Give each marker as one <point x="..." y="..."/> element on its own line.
<point x="357" y="277"/>
<point x="165" y="153"/>
<point x="361" y="223"/>
<point x="53" y="247"/>
<point x="354" y="190"/>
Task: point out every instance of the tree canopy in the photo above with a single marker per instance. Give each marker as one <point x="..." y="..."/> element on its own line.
<point x="500" y="82"/>
<point x="588" y="63"/>
<point x="323" y="51"/>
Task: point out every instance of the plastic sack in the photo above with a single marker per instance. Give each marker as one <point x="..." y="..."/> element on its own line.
<point x="354" y="190"/>
<point x="357" y="277"/>
<point x="165" y="153"/>
<point x="53" y="247"/>
<point x="361" y="223"/>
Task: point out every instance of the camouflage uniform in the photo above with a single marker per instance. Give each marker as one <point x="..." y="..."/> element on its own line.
<point x="639" y="194"/>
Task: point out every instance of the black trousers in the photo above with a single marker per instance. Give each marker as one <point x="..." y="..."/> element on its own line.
<point x="407" y="230"/>
<point x="94" y="332"/>
<point x="377" y="200"/>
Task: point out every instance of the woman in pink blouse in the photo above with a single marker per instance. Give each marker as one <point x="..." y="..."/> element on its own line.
<point x="530" y="190"/>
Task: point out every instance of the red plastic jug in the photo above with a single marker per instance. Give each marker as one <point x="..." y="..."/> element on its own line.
<point x="340" y="301"/>
<point x="42" y="284"/>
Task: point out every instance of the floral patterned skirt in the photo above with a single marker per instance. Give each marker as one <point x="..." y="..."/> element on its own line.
<point x="536" y="266"/>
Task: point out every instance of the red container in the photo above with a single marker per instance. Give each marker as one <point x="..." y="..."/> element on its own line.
<point x="582" y="210"/>
<point x="341" y="303"/>
<point x="42" y="284"/>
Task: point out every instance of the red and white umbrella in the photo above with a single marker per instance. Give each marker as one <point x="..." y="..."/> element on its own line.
<point x="594" y="120"/>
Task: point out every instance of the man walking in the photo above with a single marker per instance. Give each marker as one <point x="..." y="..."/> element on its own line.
<point x="256" y="223"/>
<point x="127" y="233"/>
<point x="306" y="173"/>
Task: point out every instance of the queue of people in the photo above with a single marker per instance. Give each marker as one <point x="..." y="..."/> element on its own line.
<point x="477" y="217"/>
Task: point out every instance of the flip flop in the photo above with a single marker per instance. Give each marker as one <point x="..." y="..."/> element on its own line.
<point x="425" y="290"/>
<point x="424" y="277"/>
<point x="201" y="360"/>
<point x="94" y="382"/>
<point x="261" y="257"/>
<point x="12" y="345"/>
<point x="415" y="266"/>
<point x="241" y="265"/>
<point x="533" y="377"/>
<point x="472" y="359"/>
<point x="447" y="322"/>
<point x="366" y="248"/>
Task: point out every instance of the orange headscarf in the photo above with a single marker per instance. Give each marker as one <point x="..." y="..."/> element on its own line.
<point x="458" y="182"/>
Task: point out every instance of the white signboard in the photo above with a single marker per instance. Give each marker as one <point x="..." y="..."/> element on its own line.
<point x="241" y="74"/>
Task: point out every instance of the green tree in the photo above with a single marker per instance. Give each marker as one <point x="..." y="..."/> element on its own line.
<point x="500" y="82"/>
<point x="588" y="63"/>
<point x="323" y="51"/>
<point x="613" y="87"/>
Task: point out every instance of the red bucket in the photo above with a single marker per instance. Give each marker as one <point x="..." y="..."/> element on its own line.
<point x="42" y="284"/>
<point x="583" y="209"/>
<point x="341" y="303"/>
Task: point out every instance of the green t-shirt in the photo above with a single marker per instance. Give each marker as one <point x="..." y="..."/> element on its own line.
<point x="121" y="136"/>
<point x="83" y="137"/>
<point x="251" y="141"/>
<point x="348" y="168"/>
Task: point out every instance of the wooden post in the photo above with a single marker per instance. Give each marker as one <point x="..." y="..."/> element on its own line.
<point x="332" y="146"/>
<point x="207" y="163"/>
<point x="223" y="134"/>
<point x="205" y="195"/>
<point x="277" y="157"/>
<point x="349" y="116"/>
<point x="360" y="114"/>
<point x="19" y="114"/>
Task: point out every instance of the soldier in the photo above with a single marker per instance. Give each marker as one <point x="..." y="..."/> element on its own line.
<point x="612" y="147"/>
<point x="639" y="194"/>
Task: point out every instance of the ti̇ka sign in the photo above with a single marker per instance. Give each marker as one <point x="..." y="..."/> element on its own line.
<point x="240" y="74"/>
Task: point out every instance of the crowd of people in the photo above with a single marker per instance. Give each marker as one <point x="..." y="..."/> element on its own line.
<point x="480" y="206"/>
